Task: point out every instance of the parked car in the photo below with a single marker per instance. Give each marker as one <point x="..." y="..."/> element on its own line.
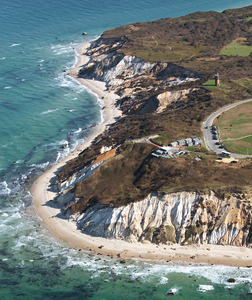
<point x="225" y="153"/>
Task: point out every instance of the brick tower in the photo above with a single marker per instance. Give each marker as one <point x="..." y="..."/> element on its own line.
<point x="217" y="79"/>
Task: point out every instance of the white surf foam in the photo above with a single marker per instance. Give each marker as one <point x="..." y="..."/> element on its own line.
<point x="98" y="99"/>
<point x="7" y="87"/>
<point x="49" y="111"/>
<point x="173" y="290"/>
<point x="4" y="190"/>
<point x="12" y="218"/>
<point x="40" y="166"/>
<point x="67" y="82"/>
<point x="78" y="130"/>
<point x="19" y="161"/>
<point x="63" y="49"/>
<point x="205" y="288"/>
<point x="63" y="142"/>
<point x="2" y="58"/>
<point x="163" y="280"/>
<point x="14" y="45"/>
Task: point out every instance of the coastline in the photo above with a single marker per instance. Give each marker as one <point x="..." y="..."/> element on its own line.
<point x="66" y="230"/>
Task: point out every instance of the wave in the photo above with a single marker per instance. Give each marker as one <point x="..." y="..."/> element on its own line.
<point x="98" y="99"/>
<point x="49" y="111"/>
<point x="67" y="148"/>
<point x="78" y="130"/>
<point x="67" y="82"/>
<point x="2" y="58"/>
<point x="19" y="161"/>
<point x="205" y="288"/>
<point x="163" y="280"/>
<point x="41" y="166"/>
<point x="173" y="290"/>
<point x="14" y="45"/>
<point x="63" y="49"/>
<point x="7" y="87"/>
<point x="4" y="190"/>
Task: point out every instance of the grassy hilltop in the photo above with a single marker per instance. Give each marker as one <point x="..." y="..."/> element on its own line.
<point x="202" y="42"/>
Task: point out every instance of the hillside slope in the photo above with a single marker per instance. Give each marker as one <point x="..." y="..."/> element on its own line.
<point x="159" y="71"/>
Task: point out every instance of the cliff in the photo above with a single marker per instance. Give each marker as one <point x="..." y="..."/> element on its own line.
<point x="136" y="81"/>
<point x="184" y="218"/>
<point x="160" y="71"/>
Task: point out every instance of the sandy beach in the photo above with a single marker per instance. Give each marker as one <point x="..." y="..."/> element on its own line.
<point x="67" y="232"/>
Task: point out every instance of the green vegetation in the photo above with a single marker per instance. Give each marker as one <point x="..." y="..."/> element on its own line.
<point x="192" y="43"/>
<point x="184" y="38"/>
<point x="134" y="173"/>
<point x="243" y="146"/>
<point x="162" y="234"/>
<point x="209" y="83"/>
<point x="191" y="234"/>
<point x="237" y="47"/>
<point x="162" y="139"/>
<point x="244" y="82"/>
<point x="236" y="122"/>
<point x="190" y="148"/>
<point x="235" y="127"/>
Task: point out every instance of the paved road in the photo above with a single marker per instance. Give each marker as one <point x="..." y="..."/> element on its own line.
<point x="208" y="135"/>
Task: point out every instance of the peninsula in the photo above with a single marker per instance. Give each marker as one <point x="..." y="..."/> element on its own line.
<point x="112" y="195"/>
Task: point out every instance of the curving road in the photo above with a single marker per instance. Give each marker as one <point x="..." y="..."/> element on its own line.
<point x="208" y="135"/>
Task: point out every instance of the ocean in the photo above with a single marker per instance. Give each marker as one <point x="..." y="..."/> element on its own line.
<point x="43" y="116"/>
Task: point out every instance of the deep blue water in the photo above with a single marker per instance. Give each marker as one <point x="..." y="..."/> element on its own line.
<point x="40" y="111"/>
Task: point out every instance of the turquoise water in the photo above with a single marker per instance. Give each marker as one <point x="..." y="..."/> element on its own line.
<point x="42" y="110"/>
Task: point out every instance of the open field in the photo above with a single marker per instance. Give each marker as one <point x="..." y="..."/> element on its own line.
<point x="235" y="128"/>
<point x="182" y="39"/>
<point x="243" y="146"/>
<point x="211" y="83"/>
<point x="237" y="47"/>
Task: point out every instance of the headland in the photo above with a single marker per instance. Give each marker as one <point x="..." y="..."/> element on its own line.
<point x="45" y="190"/>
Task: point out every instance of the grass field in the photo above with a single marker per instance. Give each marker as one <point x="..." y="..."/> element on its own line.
<point x="237" y="47"/>
<point x="211" y="83"/>
<point x="243" y="146"/>
<point x="235" y="128"/>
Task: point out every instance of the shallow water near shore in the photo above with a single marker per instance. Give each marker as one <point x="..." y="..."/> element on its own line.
<point x="44" y="114"/>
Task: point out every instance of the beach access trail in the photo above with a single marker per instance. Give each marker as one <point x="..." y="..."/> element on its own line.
<point x="66" y="230"/>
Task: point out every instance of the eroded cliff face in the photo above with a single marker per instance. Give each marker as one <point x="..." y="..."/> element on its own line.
<point x="175" y="218"/>
<point x="136" y="81"/>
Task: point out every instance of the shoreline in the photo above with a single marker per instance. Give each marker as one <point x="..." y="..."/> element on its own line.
<point x="67" y="232"/>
